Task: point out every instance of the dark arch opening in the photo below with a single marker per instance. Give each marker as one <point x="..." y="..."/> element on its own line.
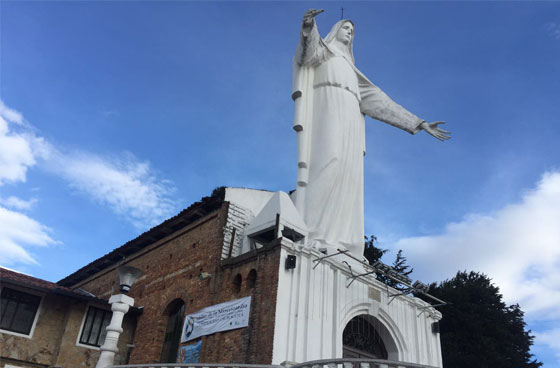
<point x="236" y="284"/>
<point x="251" y="279"/>
<point x="175" y="312"/>
<point x="361" y="339"/>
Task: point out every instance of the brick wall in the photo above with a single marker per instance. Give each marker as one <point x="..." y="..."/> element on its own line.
<point x="171" y="267"/>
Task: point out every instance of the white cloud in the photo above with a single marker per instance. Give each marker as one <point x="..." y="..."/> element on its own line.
<point x="16" y="155"/>
<point x="10" y="115"/>
<point x="551" y="338"/>
<point x="553" y="29"/>
<point x="518" y="246"/>
<point x="18" y="203"/>
<point x="17" y="232"/>
<point x="126" y="185"/>
<point x="19" y="146"/>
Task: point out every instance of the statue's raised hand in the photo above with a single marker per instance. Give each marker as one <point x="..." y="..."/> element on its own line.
<point x="309" y="15"/>
<point x="433" y="130"/>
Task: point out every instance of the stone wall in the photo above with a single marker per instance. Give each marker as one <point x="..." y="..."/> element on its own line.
<point x="73" y="355"/>
<point x="54" y="339"/>
<point x="171" y="269"/>
<point x="42" y="347"/>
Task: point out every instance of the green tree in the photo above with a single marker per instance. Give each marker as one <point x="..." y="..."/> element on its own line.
<point x="478" y="329"/>
<point x="371" y="252"/>
<point x="401" y="267"/>
<point x="374" y="254"/>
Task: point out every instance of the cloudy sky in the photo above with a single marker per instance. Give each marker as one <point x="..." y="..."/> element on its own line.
<point x="117" y="115"/>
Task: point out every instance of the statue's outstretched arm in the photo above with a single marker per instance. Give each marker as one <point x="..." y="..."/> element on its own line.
<point x="311" y="51"/>
<point x="433" y="130"/>
<point x="309" y="19"/>
<point x="379" y="106"/>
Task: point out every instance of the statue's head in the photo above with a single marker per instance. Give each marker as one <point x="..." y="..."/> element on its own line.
<point x="342" y="37"/>
<point x="345" y="33"/>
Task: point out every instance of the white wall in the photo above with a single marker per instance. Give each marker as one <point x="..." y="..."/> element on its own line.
<point x="314" y="306"/>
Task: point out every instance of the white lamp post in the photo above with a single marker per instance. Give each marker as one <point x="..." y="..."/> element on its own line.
<point x="120" y="304"/>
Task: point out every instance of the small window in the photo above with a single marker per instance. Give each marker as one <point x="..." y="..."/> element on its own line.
<point x="176" y="312"/>
<point x="18" y="310"/>
<point x="251" y="279"/>
<point x="236" y="283"/>
<point x="94" y="330"/>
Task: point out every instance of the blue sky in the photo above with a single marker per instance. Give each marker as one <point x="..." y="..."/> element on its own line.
<point x="117" y="115"/>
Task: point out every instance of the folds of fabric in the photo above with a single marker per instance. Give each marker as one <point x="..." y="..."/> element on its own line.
<point x="331" y="97"/>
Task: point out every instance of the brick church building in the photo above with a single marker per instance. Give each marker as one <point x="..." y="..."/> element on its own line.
<point x="235" y="243"/>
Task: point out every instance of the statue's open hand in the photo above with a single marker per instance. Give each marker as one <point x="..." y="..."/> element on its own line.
<point x="309" y="15"/>
<point x="433" y="130"/>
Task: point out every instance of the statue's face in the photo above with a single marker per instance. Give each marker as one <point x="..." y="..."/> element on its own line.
<point x="345" y="33"/>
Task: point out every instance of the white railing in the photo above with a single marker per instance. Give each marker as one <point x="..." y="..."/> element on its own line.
<point x="197" y="365"/>
<point x="358" y="363"/>
<point x="324" y="363"/>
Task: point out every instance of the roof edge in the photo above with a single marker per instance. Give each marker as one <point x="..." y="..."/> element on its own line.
<point x="184" y="218"/>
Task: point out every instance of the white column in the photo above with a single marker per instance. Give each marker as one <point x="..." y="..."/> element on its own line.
<point x="119" y="305"/>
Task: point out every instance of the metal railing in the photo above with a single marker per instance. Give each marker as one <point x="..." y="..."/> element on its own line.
<point x="324" y="363"/>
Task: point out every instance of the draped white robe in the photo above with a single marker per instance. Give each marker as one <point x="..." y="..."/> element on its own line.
<point x="331" y="97"/>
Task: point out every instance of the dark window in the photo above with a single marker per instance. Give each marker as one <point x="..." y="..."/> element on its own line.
<point x="361" y="340"/>
<point x="176" y="312"/>
<point x="236" y="283"/>
<point x="18" y="310"/>
<point x="94" y="330"/>
<point x="251" y="279"/>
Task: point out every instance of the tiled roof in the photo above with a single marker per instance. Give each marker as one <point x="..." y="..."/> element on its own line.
<point x="15" y="278"/>
<point x="194" y="212"/>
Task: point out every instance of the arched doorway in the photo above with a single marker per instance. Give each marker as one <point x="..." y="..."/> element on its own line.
<point x="361" y="339"/>
<point x="175" y="312"/>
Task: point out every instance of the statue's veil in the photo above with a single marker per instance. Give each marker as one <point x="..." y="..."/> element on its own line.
<point x="332" y="35"/>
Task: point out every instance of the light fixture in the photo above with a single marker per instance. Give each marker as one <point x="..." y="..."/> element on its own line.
<point x="127" y="276"/>
<point x="120" y="303"/>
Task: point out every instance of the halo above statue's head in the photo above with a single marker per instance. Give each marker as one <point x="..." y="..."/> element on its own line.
<point x="331" y="36"/>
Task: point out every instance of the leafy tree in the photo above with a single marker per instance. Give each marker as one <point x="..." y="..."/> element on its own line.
<point x="371" y="252"/>
<point x="401" y="267"/>
<point x="400" y="264"/>
<point x="478" y="329"/>
<point x="374" y="254"/>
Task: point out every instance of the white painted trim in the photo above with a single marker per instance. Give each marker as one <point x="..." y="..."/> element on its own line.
<point x="354" y="309"/>
<point x="92" y="347"/>
<point x="39" y="308"/>
<point x="396" y="333"/>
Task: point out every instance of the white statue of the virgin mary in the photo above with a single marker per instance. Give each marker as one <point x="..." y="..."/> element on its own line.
<point x="331" y="98"/>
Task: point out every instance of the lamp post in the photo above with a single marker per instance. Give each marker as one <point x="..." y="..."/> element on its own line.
<point x="120" y="304"/>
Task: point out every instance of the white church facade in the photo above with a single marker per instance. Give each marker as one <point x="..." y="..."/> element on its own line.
<point x="327" y="303"/>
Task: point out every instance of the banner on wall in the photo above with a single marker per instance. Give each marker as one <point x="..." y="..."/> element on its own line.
<point x="190" y="353"/>
<point x="220" y="317"/>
